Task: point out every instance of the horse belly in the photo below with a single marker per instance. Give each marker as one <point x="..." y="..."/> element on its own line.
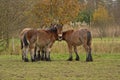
<point x="76" y="42"/>
<point x="43" y="43"/>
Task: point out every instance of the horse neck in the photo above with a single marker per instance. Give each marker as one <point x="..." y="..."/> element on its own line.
<point x="53" y="34"/>
<point x="66" y="34"/>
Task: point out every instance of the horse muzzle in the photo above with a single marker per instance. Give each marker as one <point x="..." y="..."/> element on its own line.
<point x="59" y="37"/>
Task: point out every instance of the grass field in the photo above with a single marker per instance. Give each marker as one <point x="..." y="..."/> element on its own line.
<point x="106" y="45"/>
<point x="104" y="67"/>
<point x="106" y="64"/>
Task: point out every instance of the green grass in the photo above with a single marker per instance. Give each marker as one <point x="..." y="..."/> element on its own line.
<point x="104" y="67"/>
<point x="106" y="64"/>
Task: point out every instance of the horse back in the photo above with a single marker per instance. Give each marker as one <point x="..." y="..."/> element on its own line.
<point x="85" y="35"/>
<point x="23" y="32"/>
<point x="44" y="38"/>
<point x="77" y="37"/>
<point x="72" y="37"/>
<point x="31" y="35"/>
<point x="67" y="34"/>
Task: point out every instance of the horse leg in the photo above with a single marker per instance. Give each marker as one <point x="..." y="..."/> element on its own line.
<point x="88" y="50"/>
<point x="23" y="50"/>
<point x="70" y="53"/>
<point x="48" y="54"/>
<point x="32" y="54"/>
<point x="89" y="58"/>
<point x="77" y="56"/>
<point x="24" y="54"/>
<point x="37" y="54"/>
<point x="43" y="55"/>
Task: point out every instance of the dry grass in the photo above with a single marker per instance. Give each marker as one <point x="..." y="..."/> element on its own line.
<point x="106" y="45"/>
<point x="106" y="64"/>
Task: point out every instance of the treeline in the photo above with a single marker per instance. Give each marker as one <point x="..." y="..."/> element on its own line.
<point x="18" y="14"/>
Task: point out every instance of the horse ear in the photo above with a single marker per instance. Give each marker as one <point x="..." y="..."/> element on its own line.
<point x="61" y="24"/>
<point x="52" y="25"/>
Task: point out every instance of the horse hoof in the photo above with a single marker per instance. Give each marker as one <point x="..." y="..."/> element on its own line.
<point x="26" y="60"/>
<point x="22" y="58"/>
<point x="37" y="59"/>
<point x="77" y="59"/>
<point x="89" y="60"/>
<point x="48" y="59"/>
<point x="70" y="59"/>
<point x="42" y="59"/>
<point x="33" y="60"/>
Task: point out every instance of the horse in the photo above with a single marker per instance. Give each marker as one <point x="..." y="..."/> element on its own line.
<point x="41" y="40"/>
<point x="21" y="36"/>
<point x="76" y="38"/>
<point x="22" y="33"/>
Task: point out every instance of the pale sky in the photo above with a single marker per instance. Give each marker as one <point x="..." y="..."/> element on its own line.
<point x="113" y="0"/>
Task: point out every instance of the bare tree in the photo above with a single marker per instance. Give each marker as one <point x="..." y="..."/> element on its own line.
<point x="11" y="18"/>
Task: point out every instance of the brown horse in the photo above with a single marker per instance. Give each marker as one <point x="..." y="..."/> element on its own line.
<point x="77" y="38"/>
<point x="21" y="36"/>
<point x="42" y="39"/>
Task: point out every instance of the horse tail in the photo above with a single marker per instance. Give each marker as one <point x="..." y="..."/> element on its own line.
<point x="25" y="41"/>
<point x="89" y="37"/>
<point x="21" y="44"/>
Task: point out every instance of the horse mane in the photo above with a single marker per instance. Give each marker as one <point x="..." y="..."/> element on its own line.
<point x="52" y="29"/>
<point x="67" y="31"/>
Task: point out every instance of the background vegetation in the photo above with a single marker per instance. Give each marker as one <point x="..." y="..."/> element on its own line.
<point x="100" y="16"/>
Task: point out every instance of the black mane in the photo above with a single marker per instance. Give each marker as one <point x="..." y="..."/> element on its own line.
<point x="52" y="29"/>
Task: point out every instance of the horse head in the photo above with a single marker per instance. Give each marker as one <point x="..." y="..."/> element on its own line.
<point x="59" y="28"/>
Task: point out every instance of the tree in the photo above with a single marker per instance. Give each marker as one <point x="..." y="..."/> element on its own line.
<point x="11" y="17"/>
<point x="50" y="11"/>
<point x="101" y="18"/>
<point x="84" y="15"/>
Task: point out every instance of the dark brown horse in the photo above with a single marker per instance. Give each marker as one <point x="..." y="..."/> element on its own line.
<point x="42" y="39"/>
<point x="77" y="38"/>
